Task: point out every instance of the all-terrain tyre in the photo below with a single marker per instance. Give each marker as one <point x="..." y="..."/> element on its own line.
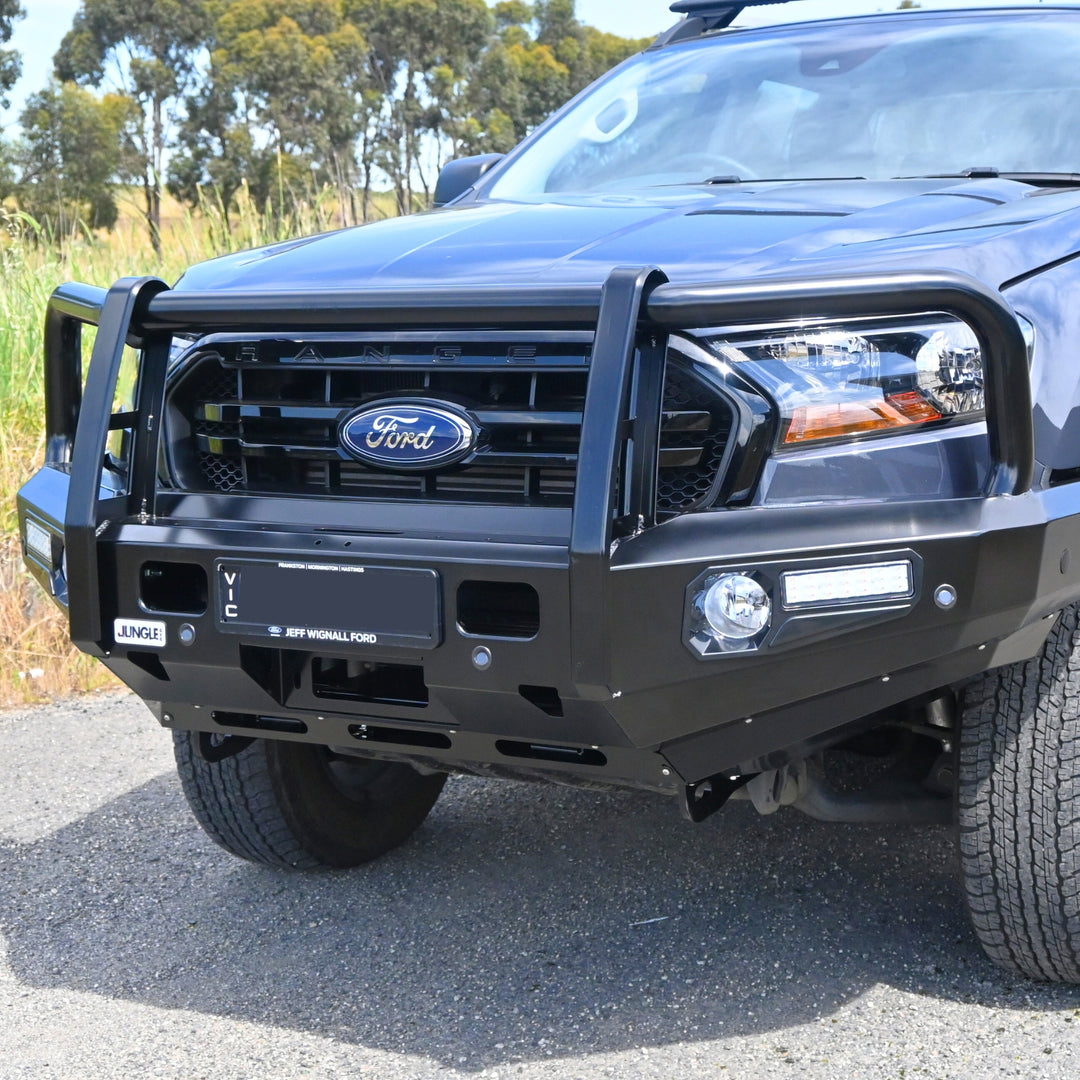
<point x="1018" y="790"/>
<point x="300" y="807"/>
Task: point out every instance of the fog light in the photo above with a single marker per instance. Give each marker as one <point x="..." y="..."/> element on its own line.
<point x="736" y="607"/>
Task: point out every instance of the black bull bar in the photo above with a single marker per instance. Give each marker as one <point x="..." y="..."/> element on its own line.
<point x="630" y="314"/>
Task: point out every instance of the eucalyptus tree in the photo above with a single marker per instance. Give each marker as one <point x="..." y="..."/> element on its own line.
<point x="71" y="156"/>
<point x="420" y="51"/>
<point x="10" y="69"/>
<point x="148" y="50"/>
<point x="585" y="51"/>
<point x="298" y="70"/>
<point x="518" y="83"/>
<point x="539" y="56"/>
<point x="10" y="61"/>
<point x="216" y="152"/>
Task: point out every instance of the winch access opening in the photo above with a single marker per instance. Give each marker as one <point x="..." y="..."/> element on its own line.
<point x="362" y="680"/>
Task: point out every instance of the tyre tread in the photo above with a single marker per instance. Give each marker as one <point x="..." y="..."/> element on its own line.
<point x="1019" y="808"/>
<point x="235" y="803"/>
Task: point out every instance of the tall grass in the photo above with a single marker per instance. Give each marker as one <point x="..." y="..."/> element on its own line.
<point x="36" y="662"/>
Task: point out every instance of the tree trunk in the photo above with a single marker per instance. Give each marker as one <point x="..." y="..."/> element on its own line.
<point x="401" y="169"/>
<point x="153" y="190"/>
<point x="423" y="181"/>
<point x="365" y="164"/>
<point x="410" y="139"/>
<point x="152" y="228"/>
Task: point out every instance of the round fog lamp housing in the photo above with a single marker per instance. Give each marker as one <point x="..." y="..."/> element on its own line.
<point x="736" y="607"/>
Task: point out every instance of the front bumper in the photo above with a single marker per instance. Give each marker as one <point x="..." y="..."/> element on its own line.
<point x="604" y="688"/>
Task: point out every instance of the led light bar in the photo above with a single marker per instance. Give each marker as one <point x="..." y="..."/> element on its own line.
<point x="39" y="541"/>
<point x="872" y="581"/>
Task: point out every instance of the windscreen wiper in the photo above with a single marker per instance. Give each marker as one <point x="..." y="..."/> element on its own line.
<point x="986" y="172"/>
<point x="767" y="180"/>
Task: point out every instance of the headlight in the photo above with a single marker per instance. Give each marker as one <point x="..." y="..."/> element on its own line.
<point x="863" y="378"/>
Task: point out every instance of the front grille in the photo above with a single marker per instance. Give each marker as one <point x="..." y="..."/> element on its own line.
<point x="695" y="429"/>
<point x="262" y="417"/>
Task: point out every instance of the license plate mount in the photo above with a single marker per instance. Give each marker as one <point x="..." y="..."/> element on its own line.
<point x="307" y="604"/>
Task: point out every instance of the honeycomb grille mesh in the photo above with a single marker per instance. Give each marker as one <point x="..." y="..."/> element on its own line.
<point x="221" y="473"/>
<point x="684" y="487"/>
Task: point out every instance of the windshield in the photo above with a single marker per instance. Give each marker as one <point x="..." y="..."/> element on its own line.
<point x="905" y="96"/>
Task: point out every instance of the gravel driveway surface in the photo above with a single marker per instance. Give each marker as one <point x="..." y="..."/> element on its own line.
<point x="524" y="932"/>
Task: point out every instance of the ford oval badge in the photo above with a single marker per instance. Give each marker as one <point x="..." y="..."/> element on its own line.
<point x="407" y="435"/>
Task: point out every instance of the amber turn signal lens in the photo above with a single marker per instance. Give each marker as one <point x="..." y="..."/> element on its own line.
<point x="835" y="420"/>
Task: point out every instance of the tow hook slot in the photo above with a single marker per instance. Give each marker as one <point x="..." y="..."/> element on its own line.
<point x="704" y="798"/>
<point x="213" y="747"/>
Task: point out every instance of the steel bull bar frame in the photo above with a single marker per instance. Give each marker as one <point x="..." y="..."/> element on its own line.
<point x="631" y="315"/>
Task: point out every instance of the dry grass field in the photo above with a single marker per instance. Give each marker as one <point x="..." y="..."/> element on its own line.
<point x="36" y="662"/>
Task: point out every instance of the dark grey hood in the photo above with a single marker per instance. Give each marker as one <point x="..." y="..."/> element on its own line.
<point x="995" y="229"/>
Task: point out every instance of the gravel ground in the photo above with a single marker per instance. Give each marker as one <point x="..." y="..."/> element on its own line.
<point x="524" y="932"/>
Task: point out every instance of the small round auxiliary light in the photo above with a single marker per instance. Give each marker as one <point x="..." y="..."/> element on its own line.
<point x="736" y="606"/>
<point x="481" y="658"/>
<point x="945" y="597"/>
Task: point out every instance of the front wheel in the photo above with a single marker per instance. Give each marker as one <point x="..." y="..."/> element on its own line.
<point x="300" y="807"/>
<point x="1019" y="808"/>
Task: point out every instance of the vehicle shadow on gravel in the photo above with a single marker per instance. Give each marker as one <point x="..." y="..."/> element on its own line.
<point x="520" y="922"/>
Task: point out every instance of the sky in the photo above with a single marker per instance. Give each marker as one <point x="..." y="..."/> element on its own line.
<point x="38" y="36"/>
